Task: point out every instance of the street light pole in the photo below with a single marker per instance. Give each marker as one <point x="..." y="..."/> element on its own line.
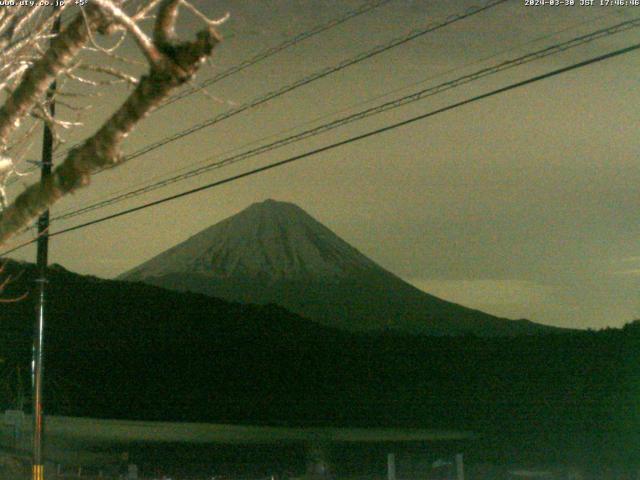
<point x="42" y="261"/>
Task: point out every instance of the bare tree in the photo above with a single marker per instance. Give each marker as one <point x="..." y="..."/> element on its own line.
<point x="30" y="60"/>
<point x="6" y="281"/>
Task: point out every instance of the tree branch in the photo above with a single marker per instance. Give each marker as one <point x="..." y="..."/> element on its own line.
<point x="39" y="76"/>
<point x="144" y="43"/>
<point x="180" y="61"/>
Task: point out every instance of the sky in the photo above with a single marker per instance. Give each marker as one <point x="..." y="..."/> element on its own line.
<point x="524" y="205"/>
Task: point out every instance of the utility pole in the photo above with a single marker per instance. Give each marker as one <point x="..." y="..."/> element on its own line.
<point x="42" y="261"/>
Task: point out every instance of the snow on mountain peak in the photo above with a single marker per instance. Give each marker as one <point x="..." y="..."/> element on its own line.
<point x="269" y="239"/>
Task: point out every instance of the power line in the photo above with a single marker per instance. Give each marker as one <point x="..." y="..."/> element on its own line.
<point x="414" y="34"/>
<point x="145" y="186"/>
<point x="263" y="55"/>
<point x="278" y="48"/>
<point x="347" y="141"/>
<point x="396" y="103"/>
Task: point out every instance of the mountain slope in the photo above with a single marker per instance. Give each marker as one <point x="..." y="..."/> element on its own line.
<point x="274" y="252"/>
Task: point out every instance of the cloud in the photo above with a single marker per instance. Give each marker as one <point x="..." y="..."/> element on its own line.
<point x="633" y="271"/>
<point x="627" y="271"/>
<point x="632" y="259"/>
<point x="487" y="293"/>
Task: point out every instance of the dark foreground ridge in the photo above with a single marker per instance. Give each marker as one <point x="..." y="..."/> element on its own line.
<point x="133" y="351"/>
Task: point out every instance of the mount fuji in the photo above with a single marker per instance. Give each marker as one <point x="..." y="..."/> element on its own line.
<point x="274" y="252"/>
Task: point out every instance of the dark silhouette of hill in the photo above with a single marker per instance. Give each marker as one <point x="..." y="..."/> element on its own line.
<point x="274" y="252"/>
<point x="129" y="350"/>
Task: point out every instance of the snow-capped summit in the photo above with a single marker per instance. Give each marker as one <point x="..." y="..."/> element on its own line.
<point x="271" y="240"/>
<point x="275" y="252"/>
